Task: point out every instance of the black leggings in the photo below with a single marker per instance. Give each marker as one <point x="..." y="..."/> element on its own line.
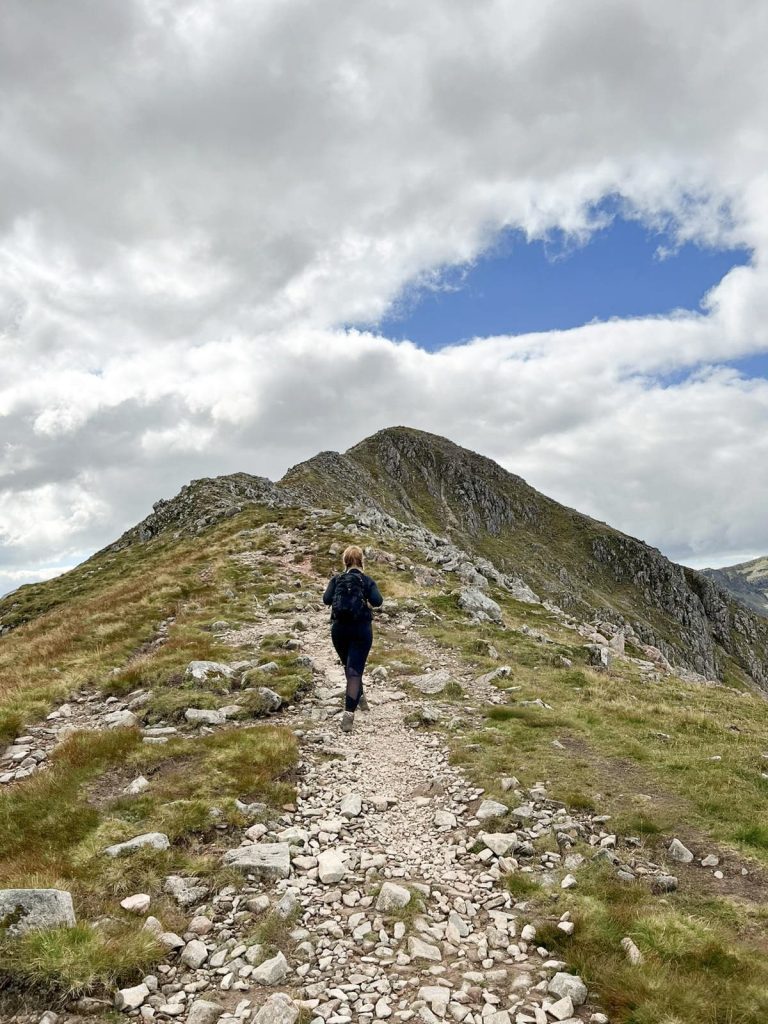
<point x="352" y="642"/>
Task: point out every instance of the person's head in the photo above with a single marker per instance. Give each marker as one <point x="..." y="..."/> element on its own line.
<point x="352" y="557"/>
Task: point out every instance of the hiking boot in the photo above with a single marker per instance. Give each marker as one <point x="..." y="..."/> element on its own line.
<point x="363" y="704"/>
<point x="347" y="720"/>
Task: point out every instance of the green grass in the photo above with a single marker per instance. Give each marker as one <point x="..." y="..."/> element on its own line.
<point x="695" y="968"/>
<point x="60" y="962"/>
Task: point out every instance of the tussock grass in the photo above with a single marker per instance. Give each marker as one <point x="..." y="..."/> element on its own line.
<point x="695" y="968"/>
<point x="273" y="931"/>
<point x="73" y="961"/>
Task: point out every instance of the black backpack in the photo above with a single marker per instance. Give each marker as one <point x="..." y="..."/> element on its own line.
<point x="349" y="602"/>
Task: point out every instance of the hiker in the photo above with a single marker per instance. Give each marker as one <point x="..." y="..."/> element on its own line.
<point x="351" y="594"/>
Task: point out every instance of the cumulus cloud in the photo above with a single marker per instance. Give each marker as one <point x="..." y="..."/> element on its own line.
<point x="196" y="195"/>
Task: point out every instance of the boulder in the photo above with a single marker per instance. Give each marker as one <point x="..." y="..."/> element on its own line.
<point x="272" y="971"/>
<point x="201" y="670"/>
<point x="204" y="716"/>
<point x="157" y="840"/>
<point x="479" y="605"/>
<point x="562" y="1009"/>
<point x="599" y="657"/>
<point x="392" y="897"/>
<point x="137" y="786"/>
<point x="137" y="904"/>
<point x="420" y="950"/>
<point x="563" y="985"/>
<point x="27" y="910"/>
<point x="491" y="809"/>
<point x="272" y="701"/>
<point x="330" y="867"/>
<point x="203" y="1011"/>
<point x="121" y="720"/>
<point x="351" y="805"/>
<point x="679" y="852"/>
<point x="267" y="860"/>
<point x="432" y="682"/>
<point x="500" y="842"/>
<point x="194" y="954"/>
<point x="131" y="998"/>
<point x="278" y="1009"/>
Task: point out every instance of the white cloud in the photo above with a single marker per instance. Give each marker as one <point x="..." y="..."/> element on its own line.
<point x="196" y="194"/>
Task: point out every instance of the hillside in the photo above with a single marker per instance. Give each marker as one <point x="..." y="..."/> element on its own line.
<point x="539" y="819"/>
<point x="583" y="566"/>
<point x="747" y="582"/>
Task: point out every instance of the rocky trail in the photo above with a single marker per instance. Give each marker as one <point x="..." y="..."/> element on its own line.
<point x="384" y="884"/>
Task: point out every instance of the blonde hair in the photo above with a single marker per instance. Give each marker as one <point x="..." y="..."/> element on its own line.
<point x="352" y="556"/>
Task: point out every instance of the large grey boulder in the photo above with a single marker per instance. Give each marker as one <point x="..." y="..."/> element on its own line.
<point x="204" y="716"/>
<point x="28" y="910"/>
<point x="272" y="971"/>
<point x="278" y="1009"/>
<point x="479" y="605"/>
<point x="201" y="670"/>
<point x="392" y="897"/>
<point x="121" y="720"/>
<point x="491" y="809"/>
<point x="351" y="805"/>
<point x="568" y="985"/>
<point x="330" y="867"/>
<point x="157" y="840"/>
<point x="500" y="842"/>
<point x="203" y="1011"/>
<point x="268" y="860"/>
<point x="432" y="682"/>
<point x="131" y="998"/>
<point x="680" y="852"/>
<point x="420" y="950"/>
<point x="194" y="954"/>
<point x="272" y="700"/>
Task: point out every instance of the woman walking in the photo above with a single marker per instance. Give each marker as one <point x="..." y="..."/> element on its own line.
<point x="351" y="594"/>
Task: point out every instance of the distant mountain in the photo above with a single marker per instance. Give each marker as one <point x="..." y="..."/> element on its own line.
<point x="748" y="582"/>
<point x="587" y="568"/>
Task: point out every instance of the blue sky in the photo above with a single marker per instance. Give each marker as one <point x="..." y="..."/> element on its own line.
<point x="522" y="286"/>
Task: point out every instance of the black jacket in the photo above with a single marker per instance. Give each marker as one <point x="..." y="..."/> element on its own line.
<point x="372" y="595"/>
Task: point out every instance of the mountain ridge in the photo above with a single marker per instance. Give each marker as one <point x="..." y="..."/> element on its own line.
<point x="746" y="581"/>
<point x="584" y="566"/>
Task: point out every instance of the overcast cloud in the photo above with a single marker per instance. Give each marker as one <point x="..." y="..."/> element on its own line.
<point x="195" y="196"/>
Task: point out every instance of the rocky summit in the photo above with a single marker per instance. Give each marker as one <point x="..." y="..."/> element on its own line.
<point x="547" y="813"/>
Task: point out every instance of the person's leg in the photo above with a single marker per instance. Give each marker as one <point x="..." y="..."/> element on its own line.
<point x="359" y="647"/>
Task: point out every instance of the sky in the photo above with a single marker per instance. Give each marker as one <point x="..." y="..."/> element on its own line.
<point x="235" y="233"/>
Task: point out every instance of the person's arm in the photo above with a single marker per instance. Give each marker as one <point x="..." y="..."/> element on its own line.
<point x="374" y="596"/>
<point x="328" y="595"/>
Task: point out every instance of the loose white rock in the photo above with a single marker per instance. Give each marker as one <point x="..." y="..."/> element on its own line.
<point x="562" y="1009"/>
<point x="632" y="952"/>
<point x="131" y="998"/>
<point x="392" y="897"/>
<point x="420" y="950"/>
<point x="568" y="985"/>
<point x="278" y="1009"/>
<point x="267" y="860"/>
<point x="137" y="904"/>
<point x="351" y="805"/>
<point x="330" y="867"/>
<point x="679" y="852"/>
<point x="194" y="954"/>
<point x="157" y="840"/>
<point x="272" y="971"/>
<point x="491" y="809"/>
<point x="203" y="1011"/>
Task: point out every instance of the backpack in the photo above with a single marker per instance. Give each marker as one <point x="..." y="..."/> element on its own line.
<point x="349" y="603"/>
